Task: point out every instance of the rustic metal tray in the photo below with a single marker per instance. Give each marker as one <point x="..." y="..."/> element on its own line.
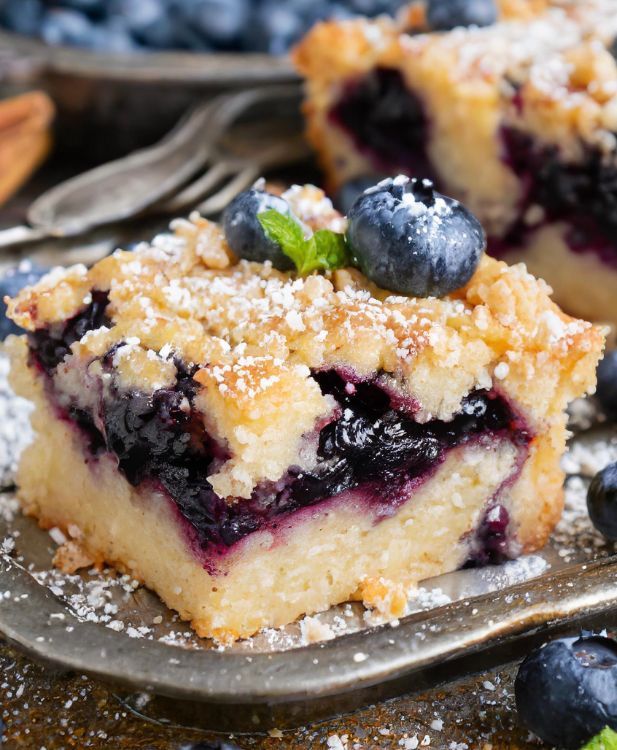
<point x="465" y="621"/>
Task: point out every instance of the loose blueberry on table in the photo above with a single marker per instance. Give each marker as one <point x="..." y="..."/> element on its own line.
<point x="602" y="502"/>
<point x="606" y="388"/>
<point x="566" y="691"/>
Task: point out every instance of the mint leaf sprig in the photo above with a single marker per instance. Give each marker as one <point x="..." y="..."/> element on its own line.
<point x="605" y="740"/>
<point x="324" y="250"/>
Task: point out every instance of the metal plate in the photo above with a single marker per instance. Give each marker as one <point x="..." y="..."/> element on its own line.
<point x="491" y="616"/>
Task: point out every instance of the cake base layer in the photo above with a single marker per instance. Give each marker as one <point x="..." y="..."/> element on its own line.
<point x="320" y="556"/>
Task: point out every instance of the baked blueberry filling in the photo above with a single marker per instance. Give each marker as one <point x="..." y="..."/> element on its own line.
<point x="386" y="121"/>
<point x="582" y="194"/>
<point x="51" y="345"/>
<point x="374" y="446"/>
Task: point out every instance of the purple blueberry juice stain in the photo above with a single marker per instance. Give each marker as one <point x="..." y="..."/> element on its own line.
<point x="372" y="452"/>
<point x="386" y="121"/>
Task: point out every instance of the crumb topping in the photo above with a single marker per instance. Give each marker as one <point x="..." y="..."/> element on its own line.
<point x="256" y="334"/>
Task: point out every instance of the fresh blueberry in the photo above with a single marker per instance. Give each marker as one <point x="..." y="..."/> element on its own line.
<point x="113" y="36"/>
<point x="221" y="21"/>
<point x="410" y="239"/>
<point x="351" y="190"/>
<point x="602" y="501"/>
<point x="91" y="7"/>
<point x="65" y="26"/>
<point x="606" y="389"/>
<point x="11" y="283"/>
<point x="613" y="47"/>
<point x="375" y="7"/>
<point x="443" y="15"/>
<point x="245" y="234"/>
<point x="21" y="16"/>
<point x="153" y="24"/>
<point x="137" y="15"/>
<point x="327" y="11"/>
<point x="274" y="27"/>
<point x="566" y="691"/>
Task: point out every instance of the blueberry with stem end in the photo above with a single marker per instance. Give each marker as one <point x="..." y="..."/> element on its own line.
<point x="408" y="238"/>
<point x="566" y="691"/>
<point x="244" y="233"/>
<point x="443" y="15"/>
<point x="602" y="502"/>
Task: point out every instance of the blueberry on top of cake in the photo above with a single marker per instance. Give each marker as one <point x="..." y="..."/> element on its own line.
<point x="243" y="419"/>
<point x="517" y="118"/>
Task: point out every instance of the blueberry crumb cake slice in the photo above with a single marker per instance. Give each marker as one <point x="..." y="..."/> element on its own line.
<point x="266" y="418"/>
<point x="517" y="119"/>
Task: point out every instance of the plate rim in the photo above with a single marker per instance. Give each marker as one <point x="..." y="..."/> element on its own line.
<point x="219" y="68"/>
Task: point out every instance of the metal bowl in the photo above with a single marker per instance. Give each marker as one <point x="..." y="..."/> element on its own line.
<point x="109" y="104"/>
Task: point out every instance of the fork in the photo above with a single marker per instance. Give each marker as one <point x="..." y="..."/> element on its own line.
<point x="198" y="164"/>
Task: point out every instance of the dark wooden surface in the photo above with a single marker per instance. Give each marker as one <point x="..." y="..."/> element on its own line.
<point x="43" y="709"/>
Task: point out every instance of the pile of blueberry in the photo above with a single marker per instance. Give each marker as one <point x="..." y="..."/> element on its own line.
<point x="270" y="26"/>
<point x="201" y="25"/>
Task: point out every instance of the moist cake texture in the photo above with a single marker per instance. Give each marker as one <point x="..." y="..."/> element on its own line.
<point x="255" y="445"/>
<point x="518" y="120"/>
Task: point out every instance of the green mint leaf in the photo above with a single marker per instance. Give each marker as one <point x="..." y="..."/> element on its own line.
<point x="331" y="249"/>
<point x="606" y="740"/>
<point x="286" y="232"/>
<point x="323" y="251"/>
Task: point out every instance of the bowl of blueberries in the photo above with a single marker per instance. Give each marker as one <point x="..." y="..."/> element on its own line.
<point x="127" y="69"/>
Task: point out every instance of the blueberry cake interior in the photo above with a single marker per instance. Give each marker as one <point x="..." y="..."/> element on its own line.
<point x="256" y="444"/>
<point x="517" y="119"/>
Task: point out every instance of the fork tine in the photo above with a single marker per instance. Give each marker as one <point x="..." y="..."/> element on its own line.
<point x="198" y="189"/>
<point x="228" y="107"/>
<point x="278" y="154"/>
<point x="217" y="202"/>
